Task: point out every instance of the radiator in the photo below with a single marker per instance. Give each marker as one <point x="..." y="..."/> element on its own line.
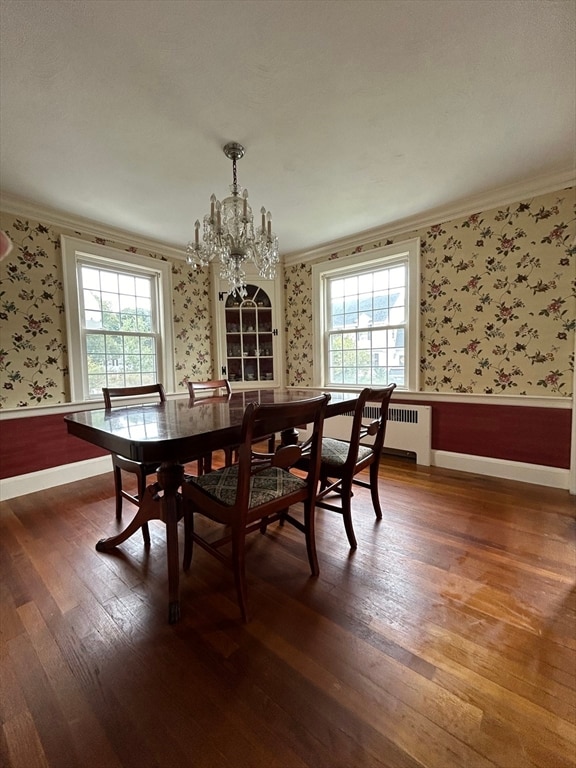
<point x="408" y="430"/>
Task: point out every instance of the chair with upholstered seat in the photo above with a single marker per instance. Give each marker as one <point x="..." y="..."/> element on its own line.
<point x="257" y="491"/>
<point x="342" y="460"/>
<point x="121" y="463"/>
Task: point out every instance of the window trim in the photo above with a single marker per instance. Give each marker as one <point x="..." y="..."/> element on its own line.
<point x="360" y="262"/>
<point x="75" y="250"/>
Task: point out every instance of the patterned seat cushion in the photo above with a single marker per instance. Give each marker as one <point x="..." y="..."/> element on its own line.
<point x="266" y="486"/>
<point x="335" y="452"/>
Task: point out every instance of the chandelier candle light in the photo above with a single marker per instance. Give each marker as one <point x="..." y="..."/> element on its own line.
<point x="229" y="234"/>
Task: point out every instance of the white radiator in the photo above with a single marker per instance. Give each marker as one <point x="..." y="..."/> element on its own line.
<point x="408" y="430"/>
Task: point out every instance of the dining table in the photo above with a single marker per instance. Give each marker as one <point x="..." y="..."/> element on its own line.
<point x="173" y="433"/>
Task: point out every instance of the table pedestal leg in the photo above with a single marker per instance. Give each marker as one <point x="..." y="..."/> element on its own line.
<point x="163" y="506"/>
<point x="170" y="478"/>
<point x="149" y="508"/>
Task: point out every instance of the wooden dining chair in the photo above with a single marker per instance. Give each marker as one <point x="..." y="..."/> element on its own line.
<point x="342" y="460"/>
<point x="122" y="464"/>
<point x="259" y="490"/>
<point x="219" y="388"/>
<point x="212" y="388"/>
<point x="206" y="390"/>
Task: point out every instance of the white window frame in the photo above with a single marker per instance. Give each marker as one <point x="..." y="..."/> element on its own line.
<point x="407" y="251"/>
<point x="75" y="251"/>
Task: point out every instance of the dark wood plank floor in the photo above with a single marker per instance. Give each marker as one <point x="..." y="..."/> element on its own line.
<point x="446" y="640"/>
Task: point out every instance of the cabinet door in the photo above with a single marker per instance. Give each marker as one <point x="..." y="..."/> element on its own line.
<point x="248" y="340"/>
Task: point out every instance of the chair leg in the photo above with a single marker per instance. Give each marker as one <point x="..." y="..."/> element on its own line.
<point x="374" y="488"/>
<point x="205" y="464"/>
<point x="188" y="540"/>
<point x="238" y="565"/>
<point x="118" y="491"/>
<point x="228" y="457"/>
<point x="309" y="528"/>
<point x="347" y="514"/>
<point x="141" y="492"/>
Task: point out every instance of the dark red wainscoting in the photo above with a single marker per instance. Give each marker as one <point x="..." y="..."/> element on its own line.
<point x="510" y="432"/>
<point x="39" y="442"/>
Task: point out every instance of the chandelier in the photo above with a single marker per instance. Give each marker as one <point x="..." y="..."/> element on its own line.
<point x="229" y="234"/>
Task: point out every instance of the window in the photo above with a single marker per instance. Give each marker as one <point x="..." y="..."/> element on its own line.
<point x="118" y="318"/>
<point x="366" y="330"/>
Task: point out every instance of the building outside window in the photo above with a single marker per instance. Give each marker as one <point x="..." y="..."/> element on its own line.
<point x="118" y="319"/>
<point x="366" y="331"/>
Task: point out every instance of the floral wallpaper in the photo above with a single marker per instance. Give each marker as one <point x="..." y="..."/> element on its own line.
<point x="498" y="306"/>
<point x="33" y="352"/>
<point x="497" y="301"/>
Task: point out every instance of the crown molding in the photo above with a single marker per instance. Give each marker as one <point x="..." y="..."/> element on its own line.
<point x="19" y="206"/>
<point x="497" y="197"/>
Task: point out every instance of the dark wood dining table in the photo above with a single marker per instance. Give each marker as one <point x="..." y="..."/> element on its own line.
<point x="173" y="433"/>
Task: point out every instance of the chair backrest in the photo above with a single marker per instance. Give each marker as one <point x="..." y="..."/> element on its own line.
<point x="111" y="393"/>
<point x="260" y="420"/>
<point x="213" y="388"/>
<point x="377" y="427"/>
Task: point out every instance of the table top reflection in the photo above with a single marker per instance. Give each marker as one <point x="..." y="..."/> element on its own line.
<point x="178" y="429"/>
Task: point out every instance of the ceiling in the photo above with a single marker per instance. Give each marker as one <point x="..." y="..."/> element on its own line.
<point x="355" y="114"/>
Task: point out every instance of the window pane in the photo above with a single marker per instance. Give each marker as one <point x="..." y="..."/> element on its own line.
<point x="350" y="285"/>
<point x="335" y="359"/>
<point x="147" y="345"/>
<point x="381" y="300"/>
<point x="126" y="284"/>
<point x="349" y="376"/>
<point x="109" y="281"/>
<point x="351" y="304"/>
<point x="397" y="277"/>
<point x="95" y="343"/>
<point x="111" y="321"/>
<point x="397" y="315"/>
<point x="336" y="341"/>
<point x="366" y="283"/>
<point x="351" y="320"/>
<point x="90" y="278"/>
<point x="336" y="288"/>
<point x="380" y="280"/>
<point x="143" y="287"/>
<point x="95" y="384"/>
<point x="92" y="319"/>
<point x="97" y="364"/>
<point x="337" y="321"/>
<point x="381" y="317"/>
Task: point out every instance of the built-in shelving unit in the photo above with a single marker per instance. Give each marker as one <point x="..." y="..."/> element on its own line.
<point x="248" y="340"/>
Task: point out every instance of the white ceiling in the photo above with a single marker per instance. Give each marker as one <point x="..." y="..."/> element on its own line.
<point x="355" y="114"/>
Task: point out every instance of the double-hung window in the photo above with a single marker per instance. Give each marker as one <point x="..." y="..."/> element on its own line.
<point x="118" y="317"/>
<point x="366" y="332"/>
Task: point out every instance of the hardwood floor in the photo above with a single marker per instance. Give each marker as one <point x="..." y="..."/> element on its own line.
<point x="446" y="640"/>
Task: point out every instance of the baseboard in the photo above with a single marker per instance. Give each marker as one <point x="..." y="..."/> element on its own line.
<point x="553" y="477"/>
<point x="10" y="487"/>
